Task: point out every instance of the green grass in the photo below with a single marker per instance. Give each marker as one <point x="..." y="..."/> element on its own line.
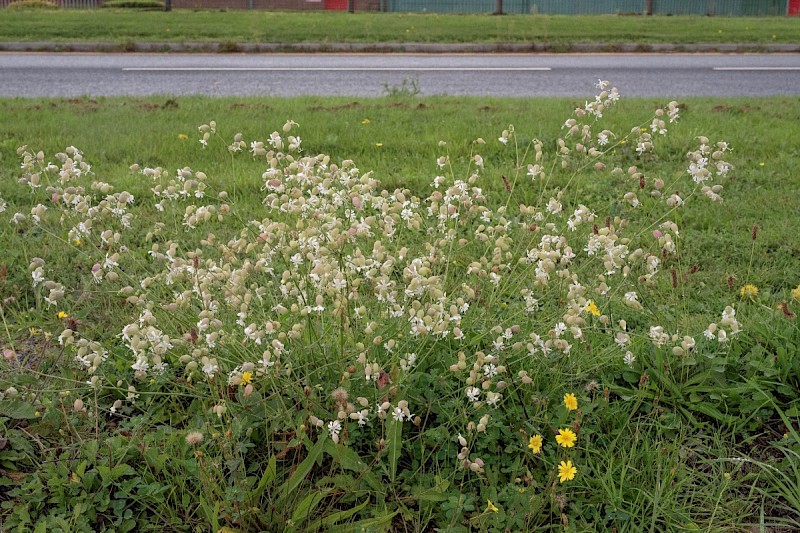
<point x="701" y="441"/>
<point x="286" y="27"/>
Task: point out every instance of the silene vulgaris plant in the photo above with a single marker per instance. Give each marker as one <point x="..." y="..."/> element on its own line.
<point x="363" y="356"/>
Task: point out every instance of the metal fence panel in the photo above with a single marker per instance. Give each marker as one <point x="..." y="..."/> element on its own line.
<point x="67" y="4"/>
<point x="729" y="8"/>
<point x="588" y="7"/>
<point x="441" y="6"/>
<point x="80" y="4"/>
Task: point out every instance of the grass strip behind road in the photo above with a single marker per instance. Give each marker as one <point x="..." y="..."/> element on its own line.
<point x="326" y="27"/>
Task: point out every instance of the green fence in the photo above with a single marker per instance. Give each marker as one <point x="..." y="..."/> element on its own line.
<point x="723" y="8"/>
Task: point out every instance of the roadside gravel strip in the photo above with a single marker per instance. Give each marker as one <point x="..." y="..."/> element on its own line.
<point x="410" y="48"/>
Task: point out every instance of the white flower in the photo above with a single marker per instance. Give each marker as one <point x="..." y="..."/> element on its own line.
<point x="210" y="369"/>
<point x="492" y="398"/>
<point x="334" y="428"/>
<point x="473" y="394"/>
<point x="622" y="339"/>
<point x="38" y="276"/>
<point x="398" y="414"/>
<point x="629" y="358"/>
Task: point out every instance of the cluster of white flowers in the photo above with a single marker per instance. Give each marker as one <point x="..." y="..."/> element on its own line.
<point x="337" y="275"/>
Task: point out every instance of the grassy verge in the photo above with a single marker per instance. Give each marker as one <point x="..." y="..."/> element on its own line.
<point x="286" y="27"/>
<point x="213" y="346"/>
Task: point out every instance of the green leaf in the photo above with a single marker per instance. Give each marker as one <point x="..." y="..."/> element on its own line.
<point x="711" y="411"/>
<point x="431" y="495"/>
<point x="308" y="505"/>
<point x="266" y="479"/>
<point x="302" y="470"/>
<point x="364" y="525"/>
<point x="395" y="444"/>
<point x="122" y="470"/>
<point x="17" y="409"/>
<point x="350" y="460"/>
<point x="331" y="519"/>
<point x="211" y="515"/>
<point x="105" y="473"/>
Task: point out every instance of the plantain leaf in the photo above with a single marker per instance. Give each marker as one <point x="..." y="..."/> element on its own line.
<point x="365" y="525"/>
<point x="302" y="471"/>
<point x="395" y="444"/>
<point x="307" y="506"/>
<point x="266" y="479"/>
<point x="350" y="460"/>
<point x="331" y="519"/>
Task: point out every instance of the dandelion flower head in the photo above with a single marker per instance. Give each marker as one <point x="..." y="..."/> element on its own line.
<point x="796" y="293"/>
<point x="570" y="401"/>
<point x="566" y="471"/>
<point x="592" y="308"/>
<point x="535" y="443"/>
<point x="748" y="291"/>
<point x="566" y="438"/>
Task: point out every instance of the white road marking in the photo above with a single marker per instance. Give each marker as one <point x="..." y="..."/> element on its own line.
<point x="756" y="68"/>
<point x="337" y="69"/>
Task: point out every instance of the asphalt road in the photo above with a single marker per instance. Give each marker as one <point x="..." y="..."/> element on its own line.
<point x="650" y="75"/>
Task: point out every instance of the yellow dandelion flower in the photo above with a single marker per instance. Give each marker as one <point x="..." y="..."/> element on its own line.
<point x="247" y="378"/>
<point x="62" y="315"/>
<point x="570" y="401"/>
<point x="379" y="145"/>
<point x="591" y="308"/>
<point x="566" y="438"/>
<point x="491" y="507"/>
<point x="535" y="443"/>
<point x="796" y="293"/>
<point x="566" y="471"/>
<point x="365" y="121"/>
<point x="748" y="291"/>
<point x="182" y="136"/>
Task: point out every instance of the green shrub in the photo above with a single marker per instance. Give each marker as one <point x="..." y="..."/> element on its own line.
<point x="32" y="5"/>
<point x="144" y="5"/>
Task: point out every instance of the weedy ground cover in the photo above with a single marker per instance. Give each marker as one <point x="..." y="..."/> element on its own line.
<point x="326" y="27"/>
<point x="399" y="313"/>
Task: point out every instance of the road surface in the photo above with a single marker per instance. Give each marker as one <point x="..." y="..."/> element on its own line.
<point x="365" y="75"/>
